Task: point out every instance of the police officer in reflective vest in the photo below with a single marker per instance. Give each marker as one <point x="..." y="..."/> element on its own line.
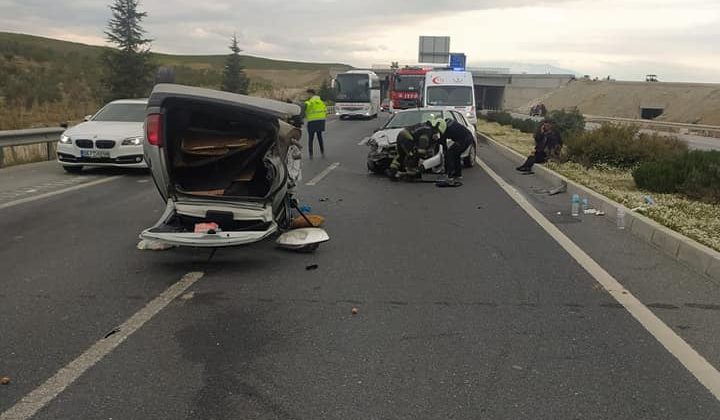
<point x="315" y="113"/>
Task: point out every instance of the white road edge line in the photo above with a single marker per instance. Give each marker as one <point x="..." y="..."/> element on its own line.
<point x="705" y="372"/>
<point x="319" y="177"/>
<point x="58" y="192"/>
<point x="33" y="402"/>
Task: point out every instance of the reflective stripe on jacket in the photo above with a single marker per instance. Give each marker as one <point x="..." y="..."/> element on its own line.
<point x="315" y="109"/>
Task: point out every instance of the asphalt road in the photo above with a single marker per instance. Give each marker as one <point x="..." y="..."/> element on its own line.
<point x="467" y="308"/>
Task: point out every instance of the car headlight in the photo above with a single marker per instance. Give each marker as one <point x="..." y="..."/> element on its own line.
<point x="65" y="139"/>
<point x="132" y="141"/>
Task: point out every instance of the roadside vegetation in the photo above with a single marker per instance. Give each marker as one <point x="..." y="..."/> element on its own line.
<point x="45" y="81"/>
<point x="621" y="164"/>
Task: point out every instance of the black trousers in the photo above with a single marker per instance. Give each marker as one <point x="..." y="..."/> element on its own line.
<point x="453" y="161"/>
<point x="316" y="128"/>
<point x="538" y="157"/>
<point x="311" y="136"/>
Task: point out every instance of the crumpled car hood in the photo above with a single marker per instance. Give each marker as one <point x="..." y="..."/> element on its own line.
<point x="387" y="137"/>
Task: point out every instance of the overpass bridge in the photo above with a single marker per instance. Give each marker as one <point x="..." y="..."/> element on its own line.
<point x="500" y="89"/>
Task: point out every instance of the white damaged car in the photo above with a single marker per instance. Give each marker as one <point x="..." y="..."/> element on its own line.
<point x="383" y="147"/>
<point x="111" y="137"/>
<point x="227" y="166"/>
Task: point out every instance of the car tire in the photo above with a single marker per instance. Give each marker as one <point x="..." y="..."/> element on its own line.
<point x="375" y="169"/>
<point x="73" y="169"/>
<point x="469" y="161"/>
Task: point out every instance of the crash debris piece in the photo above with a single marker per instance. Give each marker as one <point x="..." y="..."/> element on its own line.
<point x="558" y="190"/>
<point x="150" y="245"/>
<point x="5" y="380"/>
<point x="354" y="311"/>
<point x="312" y="267"/>
<point x="300" y="222"/>
<point x="207" y="227"/>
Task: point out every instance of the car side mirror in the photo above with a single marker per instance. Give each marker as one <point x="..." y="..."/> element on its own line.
<point x="64" y="125"/>
<point x="87" y="118"/>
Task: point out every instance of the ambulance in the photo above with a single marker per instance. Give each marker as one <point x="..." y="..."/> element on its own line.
<point x="451" y="90"/>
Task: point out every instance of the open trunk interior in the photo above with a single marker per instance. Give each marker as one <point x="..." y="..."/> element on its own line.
<point x="217" y="150"/>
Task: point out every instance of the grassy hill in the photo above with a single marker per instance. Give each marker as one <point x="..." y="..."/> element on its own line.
<point x="44" y="81"/>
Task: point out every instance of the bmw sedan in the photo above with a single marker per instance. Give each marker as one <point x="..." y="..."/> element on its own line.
<point x="111" y="137"/>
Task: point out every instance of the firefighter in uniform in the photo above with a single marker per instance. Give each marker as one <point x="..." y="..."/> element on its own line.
<point x="412" y="142"/>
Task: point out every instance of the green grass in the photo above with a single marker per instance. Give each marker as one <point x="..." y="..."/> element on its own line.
<point x="697" y="220"/>
<point x="43" y="80"/>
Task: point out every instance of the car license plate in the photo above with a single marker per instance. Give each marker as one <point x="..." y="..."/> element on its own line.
<point x="95" y="154"/>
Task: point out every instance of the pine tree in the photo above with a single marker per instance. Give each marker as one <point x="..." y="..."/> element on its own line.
<point x="234" y="78"/>
<point x="325" y="92"/>
<point x="129" y="68"/>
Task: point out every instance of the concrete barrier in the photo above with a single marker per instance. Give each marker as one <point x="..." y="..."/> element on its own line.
<point x="697" y="256"/>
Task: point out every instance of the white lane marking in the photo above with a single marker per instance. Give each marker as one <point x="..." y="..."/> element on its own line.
<point x="33" y="402"/>
<point x="58" y="192"/>
<point x="323" y="174"/>
<point x="705" y="372"/>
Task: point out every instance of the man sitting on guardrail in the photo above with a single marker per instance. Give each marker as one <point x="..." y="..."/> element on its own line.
<point x="548" y="143"/>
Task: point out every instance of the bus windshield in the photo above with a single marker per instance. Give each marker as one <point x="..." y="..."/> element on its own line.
<point x="352" y="88"/>
<point x="450" y="95"/>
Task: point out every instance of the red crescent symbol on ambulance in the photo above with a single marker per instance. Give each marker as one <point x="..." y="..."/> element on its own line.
<point x="436" y="80"/>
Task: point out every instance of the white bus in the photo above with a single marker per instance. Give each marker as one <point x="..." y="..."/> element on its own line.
<point x="452" y="90"/>
<point x="357" y="94"/>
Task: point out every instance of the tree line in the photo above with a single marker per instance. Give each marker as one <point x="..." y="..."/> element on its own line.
<point x="129" y="70"/>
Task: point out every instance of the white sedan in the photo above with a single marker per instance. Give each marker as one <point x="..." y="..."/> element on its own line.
<point x="111" y="137"/>
<point x="383" y="148"/>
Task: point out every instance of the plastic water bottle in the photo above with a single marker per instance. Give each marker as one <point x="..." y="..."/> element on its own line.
<point x="585" y="204"/>
<point x="575" y="205"/>
<point x="621" y="218"/>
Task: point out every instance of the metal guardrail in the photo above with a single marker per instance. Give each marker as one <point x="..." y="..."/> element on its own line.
<point x="703" y="130"/>
<point x="30" y="136"/>
<point x="48" y="135"/>
<point x="682" y="128"/>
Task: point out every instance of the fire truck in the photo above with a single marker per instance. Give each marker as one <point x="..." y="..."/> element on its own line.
<point x="406" y="87"/>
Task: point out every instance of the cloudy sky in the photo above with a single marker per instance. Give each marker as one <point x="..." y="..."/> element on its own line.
<point x="627" y="39"/>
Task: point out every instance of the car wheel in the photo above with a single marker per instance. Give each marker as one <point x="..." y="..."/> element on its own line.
<point x="469" y="161"/>
<point x="73" y="169"/>
<point x="374" y="168"/>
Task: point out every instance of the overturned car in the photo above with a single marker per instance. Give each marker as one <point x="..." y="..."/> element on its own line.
<point x="227" y="166"/>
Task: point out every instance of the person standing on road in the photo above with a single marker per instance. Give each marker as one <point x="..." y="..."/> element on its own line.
<point x="548" y="142"/>
<point x="462" y="139"/>
<point x="315" y="114"/>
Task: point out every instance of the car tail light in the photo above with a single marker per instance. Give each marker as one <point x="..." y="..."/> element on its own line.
<point x="153" y="129"/>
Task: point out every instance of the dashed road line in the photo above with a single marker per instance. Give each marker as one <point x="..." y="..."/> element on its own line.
<point x="693" y="361"/>
<point x="58" y="192"/>
<point x="319" y="177"/>
<point x="33" y="402"/>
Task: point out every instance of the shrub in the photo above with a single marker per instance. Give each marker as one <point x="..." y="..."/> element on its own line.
<point x="504" y="118"/>
<point x="526" y="126"/>
<point x="569" y="123"/>
<point x="695" y="174"/>
<point x="501" y="117"/>
<point x="620" y="146"/>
